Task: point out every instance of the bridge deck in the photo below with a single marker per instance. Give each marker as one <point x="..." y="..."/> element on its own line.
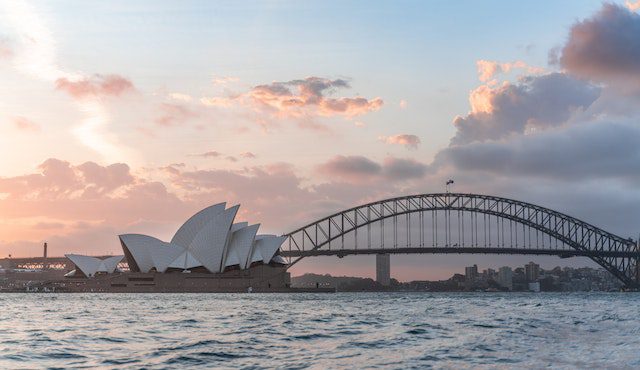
<point x="458" y="250"/>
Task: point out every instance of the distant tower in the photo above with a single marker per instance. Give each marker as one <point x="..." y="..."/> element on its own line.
<point x="383" y="269"/>
<point x="45" y="249"/>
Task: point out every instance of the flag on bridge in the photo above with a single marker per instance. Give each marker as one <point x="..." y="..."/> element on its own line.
<point x="449" y="182"/>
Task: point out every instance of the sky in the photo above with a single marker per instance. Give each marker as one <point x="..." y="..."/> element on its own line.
<point x="128" y="117"/>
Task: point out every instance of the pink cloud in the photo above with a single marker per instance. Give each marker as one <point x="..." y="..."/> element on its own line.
<point x="409" y="141"/>
<point x="174" y="114"/>
<point x="299" y="97"/>
<point x="210" y="154"/>
<point x="535" y="102"/>
<point x="224" y="80"/>
<point x="94" y="86"/>
<point x="25" y="124"/>
<point x="5" y="49"/>
<point x="488" y="69"/>
<point x="632" y="5"/>
<point x="81" y="197"/>
<point x="247" y="155"/>
<point x="302" y="100"/>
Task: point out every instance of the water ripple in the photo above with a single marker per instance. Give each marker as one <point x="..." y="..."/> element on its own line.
<point x="373" y="330"/>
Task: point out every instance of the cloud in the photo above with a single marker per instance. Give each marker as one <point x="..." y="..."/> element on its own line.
<point x="217" y="102"/>
<point x="94" y="86"/>
<point x="181" y="97"/>
<point x="60" y="180"/>
<point x="86" y="198"/>
<point x="25" y="124"/>
<point x="247" y="155"/>
<point x="302" y="100"/>
<point x="350" y="168"/>
<point x="6" y="51"/>
<point x="222" y="80"/>
<point x="605" y="47"/>
<point x="409" y="141"/>
<point x="174" y="114"/>
<point x="34" y="54"/>
<point x="403" y="104"/>
<point x="487" y="69"/>
<point x="535" y="102"/>
<point x="291" y="98"/>
<point x="632" y="5"/>
<point x="403" y="169"/>
<point x="210" y="154"/>
<point x="585" y="151"/>
<point x="359" y="169"/>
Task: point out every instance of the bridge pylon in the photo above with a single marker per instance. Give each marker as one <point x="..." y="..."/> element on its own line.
<point x="383" y="269"/>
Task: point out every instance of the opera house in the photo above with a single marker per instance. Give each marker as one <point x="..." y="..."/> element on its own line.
<point x="208" y="253"/>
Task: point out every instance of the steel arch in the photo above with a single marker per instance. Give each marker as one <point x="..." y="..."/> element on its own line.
<point x="617" y="255"/>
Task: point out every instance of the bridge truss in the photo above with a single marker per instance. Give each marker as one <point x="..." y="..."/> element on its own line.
<point x="462" y="223"/>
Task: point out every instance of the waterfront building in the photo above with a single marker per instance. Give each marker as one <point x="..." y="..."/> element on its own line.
<point x="208" y="241"/>
<point x="87" y="266"/>
<point x="471" y="272"/>
<point x="532" y="272"/>
<point x="208" y="253"/>
<point x="534" y="287"/>
<point x="505" y="277"/>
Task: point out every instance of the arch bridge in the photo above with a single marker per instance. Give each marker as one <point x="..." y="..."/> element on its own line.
<point x="448" y="223"/>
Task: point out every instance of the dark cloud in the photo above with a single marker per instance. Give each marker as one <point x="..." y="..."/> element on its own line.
<point x="535" y="102"/>
<point x="403" y="169"/>
<point x="362" y="169"/>
<point x="605" y="47"/>
<point x="579" y="152"/>
<point x="350" y="168"/>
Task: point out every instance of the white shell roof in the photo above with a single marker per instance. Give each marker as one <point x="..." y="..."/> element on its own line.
<point x="92" y="265"/>
<point x="185" y="234"/>
<point x="240" y="246"/>
<point x="265" y="246"/>
<point x="208" y="239"/>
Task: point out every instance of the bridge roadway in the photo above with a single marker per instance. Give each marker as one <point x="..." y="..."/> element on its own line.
<point x="458" y="250"/>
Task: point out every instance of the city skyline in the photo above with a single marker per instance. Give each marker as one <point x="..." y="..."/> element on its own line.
<point x="117" y="118"/>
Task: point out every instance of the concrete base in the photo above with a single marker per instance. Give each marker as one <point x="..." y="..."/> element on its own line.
<point x="261" y="278"/>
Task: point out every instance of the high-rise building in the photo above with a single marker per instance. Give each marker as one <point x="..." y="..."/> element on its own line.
<point x="505" y="277"/>
<point x="488" y="273"/>
<point x="383" y="269"/>
<point x="471" y="272"/>
<point x="532" y="272"/>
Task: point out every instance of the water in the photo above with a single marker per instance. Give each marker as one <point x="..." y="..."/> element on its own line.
<point x="354" y="330"/>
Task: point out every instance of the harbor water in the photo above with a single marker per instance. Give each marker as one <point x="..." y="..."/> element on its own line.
<point x="342" y="330"/>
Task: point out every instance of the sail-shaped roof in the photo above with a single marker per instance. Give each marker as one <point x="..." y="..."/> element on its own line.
<point x="208" y="239"/>
<point x="90" y="266"/>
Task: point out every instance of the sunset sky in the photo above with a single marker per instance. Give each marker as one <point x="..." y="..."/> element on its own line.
<point x="127" y="117"/>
